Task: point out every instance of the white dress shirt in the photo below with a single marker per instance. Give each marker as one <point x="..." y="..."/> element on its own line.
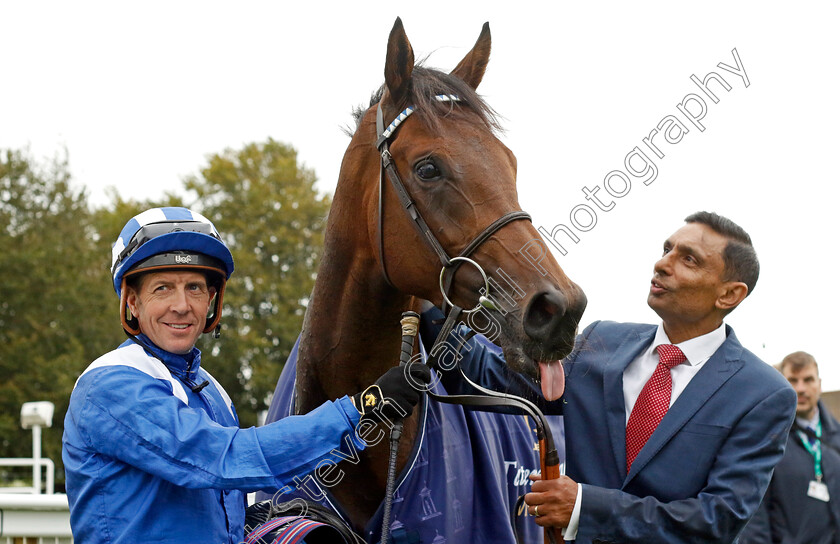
<point x="697" y="351"/>
<point x="809" y="423"/>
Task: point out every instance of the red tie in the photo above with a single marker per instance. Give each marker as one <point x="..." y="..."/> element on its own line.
<point x="653" y="401"/>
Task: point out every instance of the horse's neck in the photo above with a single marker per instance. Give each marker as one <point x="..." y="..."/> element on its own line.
<point x="351" y="332"/>
<point x="351" y="336"/>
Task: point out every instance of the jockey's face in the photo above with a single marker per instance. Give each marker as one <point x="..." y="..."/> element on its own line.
<point x="171" y="307"/>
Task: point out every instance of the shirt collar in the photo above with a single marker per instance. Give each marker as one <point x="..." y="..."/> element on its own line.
<point x="809" y="424"/>
<point x="697" y="350"/>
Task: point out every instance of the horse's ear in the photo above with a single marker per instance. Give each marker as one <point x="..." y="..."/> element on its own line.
<point x="399" y="63"/>
<point x="471" y="68"/>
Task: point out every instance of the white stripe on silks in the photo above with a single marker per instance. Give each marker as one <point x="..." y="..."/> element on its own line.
<point x="155" y="215"/>
<point x="222" y="392"/>
<point x="198" y="217"/>
<point x="134" y="356"/>
<point x="116" y="250"/>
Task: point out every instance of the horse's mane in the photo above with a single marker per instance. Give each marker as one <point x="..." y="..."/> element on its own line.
<point x="426" y="83"/>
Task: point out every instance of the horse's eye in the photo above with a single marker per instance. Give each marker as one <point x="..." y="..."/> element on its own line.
<point x="427" y="170"/>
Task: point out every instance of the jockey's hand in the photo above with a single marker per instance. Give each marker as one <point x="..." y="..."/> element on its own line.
<point x="395" y="393"/>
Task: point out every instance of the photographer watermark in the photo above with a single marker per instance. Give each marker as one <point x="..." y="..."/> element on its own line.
<point x="640" y="163"/>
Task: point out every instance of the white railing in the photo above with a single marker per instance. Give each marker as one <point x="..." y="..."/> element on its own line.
<point x="36" y="465"/>
<point x="26" y="515"/>
<point x="31" y="519"/>
<point x="36" y="540"/>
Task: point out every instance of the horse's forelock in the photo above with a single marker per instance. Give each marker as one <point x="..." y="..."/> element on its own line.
<point x="426" y="83"/>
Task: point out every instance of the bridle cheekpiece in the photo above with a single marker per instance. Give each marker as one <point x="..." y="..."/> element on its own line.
<point x="449" y="264"/>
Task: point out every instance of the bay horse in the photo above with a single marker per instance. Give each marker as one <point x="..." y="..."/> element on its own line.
<point x="376" y="265"/>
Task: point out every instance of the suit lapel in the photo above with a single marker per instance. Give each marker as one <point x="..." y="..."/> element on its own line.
<point x="634" y="343"/>
<point x="725" y="362"/>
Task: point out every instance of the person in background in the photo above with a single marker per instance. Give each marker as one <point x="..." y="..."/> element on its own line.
<point x="152" y="447"/>
<point x="802" y="504"/>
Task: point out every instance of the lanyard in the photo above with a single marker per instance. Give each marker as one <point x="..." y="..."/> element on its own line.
<point x="814" y="449"/>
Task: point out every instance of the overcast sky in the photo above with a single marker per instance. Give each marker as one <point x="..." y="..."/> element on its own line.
<point x="140" y="93"/>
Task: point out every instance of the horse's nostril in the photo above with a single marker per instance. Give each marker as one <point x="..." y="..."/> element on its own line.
<point x="544" y="313"/>
<point x="578" y="306"/>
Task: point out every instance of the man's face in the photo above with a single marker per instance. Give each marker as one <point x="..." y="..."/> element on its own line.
<point x="171" y="307"/>
<point x="808" y="386"/>
<point x="688" y="282"/>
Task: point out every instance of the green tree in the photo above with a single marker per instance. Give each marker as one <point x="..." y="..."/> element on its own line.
<point x="109" y="221"/>
<point x="267" y="208"/>
<point x="58" y="309"/>
<point x="53" y="296"/>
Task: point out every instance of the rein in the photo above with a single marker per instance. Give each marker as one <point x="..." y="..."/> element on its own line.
<point x="549" y="459"/>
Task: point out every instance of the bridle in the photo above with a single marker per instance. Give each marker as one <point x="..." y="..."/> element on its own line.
<point x="389" y="168"/>
<point x="549" y="459"/>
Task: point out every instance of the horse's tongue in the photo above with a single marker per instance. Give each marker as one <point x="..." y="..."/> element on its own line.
<point x="552" y="380"/>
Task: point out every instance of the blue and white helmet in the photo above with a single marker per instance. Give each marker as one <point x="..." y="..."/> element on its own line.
<point x="169" y="238"/>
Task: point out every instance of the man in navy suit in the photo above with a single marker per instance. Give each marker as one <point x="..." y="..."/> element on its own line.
<point x="700" y="473"/>
<point x="802" y="504"/>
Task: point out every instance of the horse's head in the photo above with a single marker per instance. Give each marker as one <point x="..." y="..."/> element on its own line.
<point x="462" y="179"/>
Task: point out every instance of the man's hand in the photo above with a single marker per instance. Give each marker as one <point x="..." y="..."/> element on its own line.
<point x="551" y="501"/>
<point x="395" y="393"/>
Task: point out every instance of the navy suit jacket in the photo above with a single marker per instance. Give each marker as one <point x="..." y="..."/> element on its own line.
<point x="788" y="515"/>
<point x="702" y="474"/>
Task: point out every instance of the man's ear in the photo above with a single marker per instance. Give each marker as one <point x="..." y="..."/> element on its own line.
<point x="731" y="295"/>
<point x="131" y="300"/>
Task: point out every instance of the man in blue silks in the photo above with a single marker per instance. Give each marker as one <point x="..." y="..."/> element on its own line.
<point x="152" y="447"/>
